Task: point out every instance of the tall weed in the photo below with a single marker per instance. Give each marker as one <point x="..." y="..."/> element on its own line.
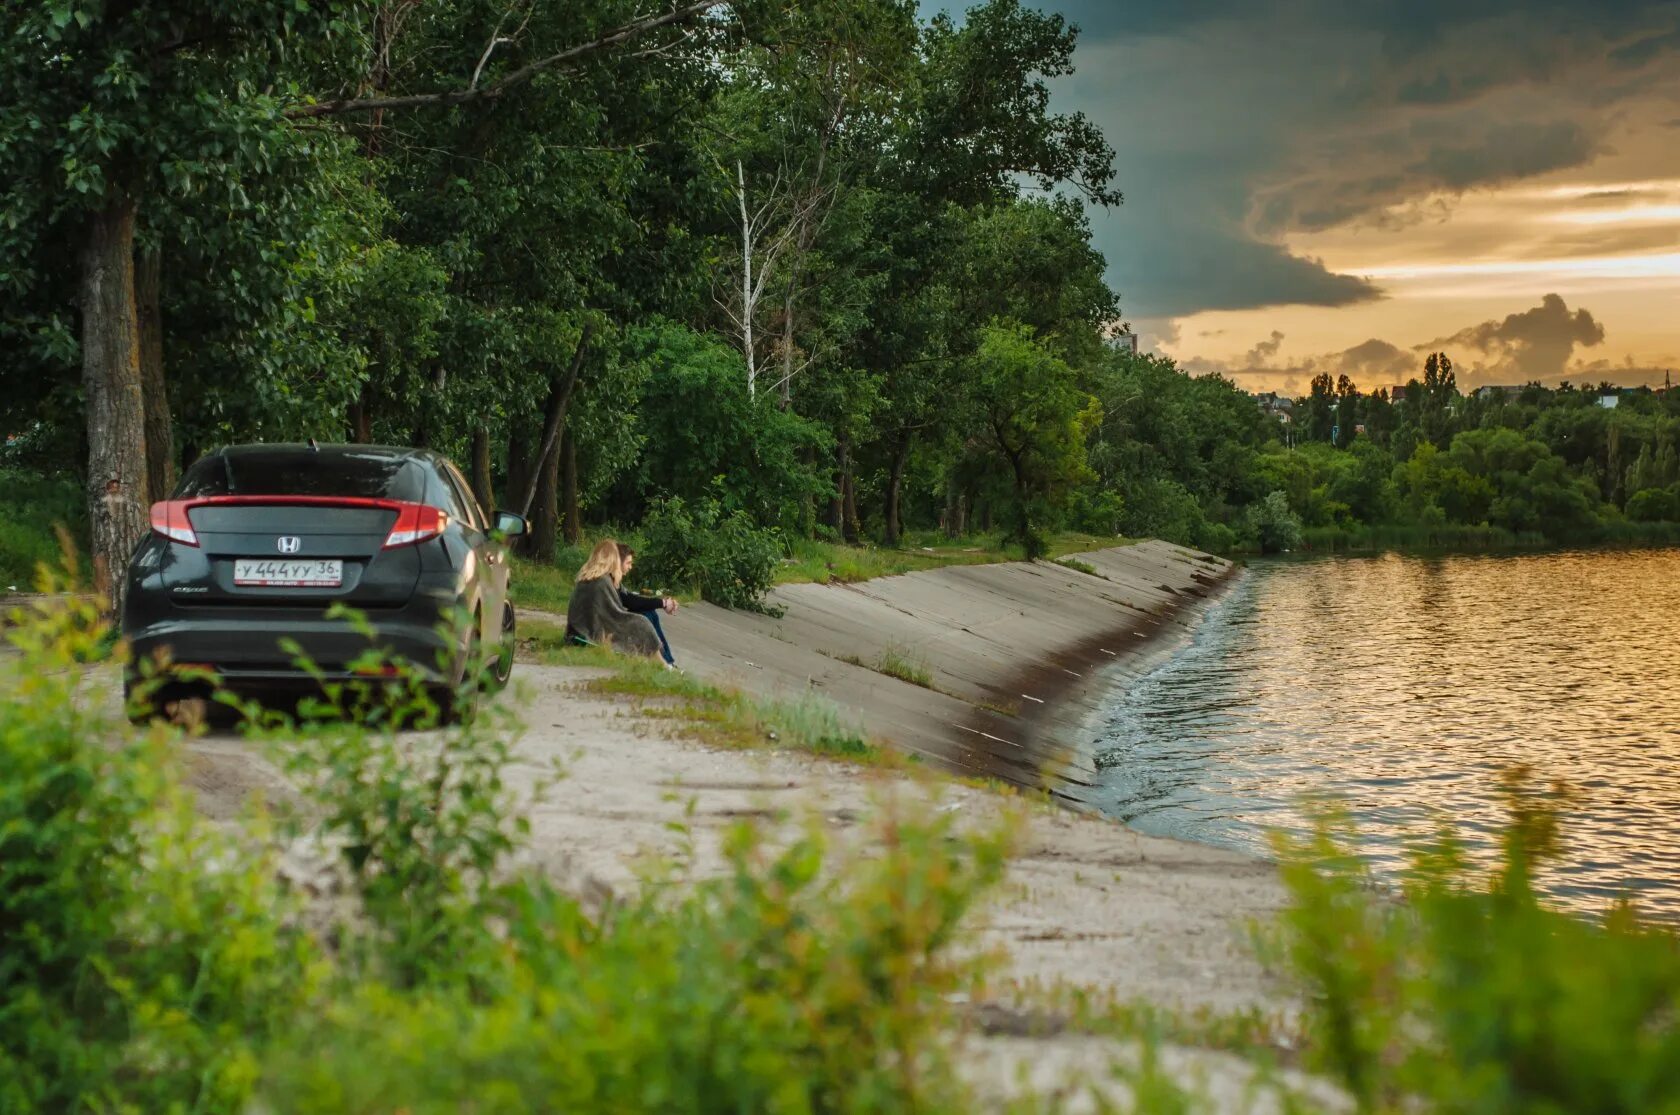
<point x="1468" y="994"/>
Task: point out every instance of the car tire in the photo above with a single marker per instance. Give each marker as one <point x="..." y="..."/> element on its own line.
<point x="501" y="669"/>
<point x="136" y="716"/>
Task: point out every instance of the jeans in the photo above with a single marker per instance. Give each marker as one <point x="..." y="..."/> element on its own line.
<point x="664" y="643"/>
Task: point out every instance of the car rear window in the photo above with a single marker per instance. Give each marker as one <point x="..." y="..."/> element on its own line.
<point x="303" y="473"/>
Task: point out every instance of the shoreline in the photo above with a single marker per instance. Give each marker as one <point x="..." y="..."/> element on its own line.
<point x="1003" y="657"/>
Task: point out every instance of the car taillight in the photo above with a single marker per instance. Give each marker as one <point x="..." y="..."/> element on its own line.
<point x="169" y="519"/>
<point x="416" y="522"/>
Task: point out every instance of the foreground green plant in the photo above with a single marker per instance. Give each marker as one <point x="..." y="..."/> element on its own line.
<point x="1472" y="996"/>
<point x="146" y="958"/>
<point x="152" y="962"/>
<point x="784" y="985"/>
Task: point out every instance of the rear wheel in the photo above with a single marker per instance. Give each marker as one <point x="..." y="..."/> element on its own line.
<point x="457" y="703"/>
<point x="500" y="668"/>
<point x="137" y="713"/>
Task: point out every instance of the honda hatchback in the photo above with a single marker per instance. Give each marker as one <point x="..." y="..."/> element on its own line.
<point x="258" y="542"/>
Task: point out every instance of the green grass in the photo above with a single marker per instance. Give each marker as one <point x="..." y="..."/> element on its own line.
<point x="718" y="716"/>
<point x="811" y="561"/>
<point x="904" y="666"/>
<point x="1078" y="566"/>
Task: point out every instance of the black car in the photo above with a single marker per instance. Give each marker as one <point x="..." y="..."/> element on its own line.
<point x="258" y="542"/>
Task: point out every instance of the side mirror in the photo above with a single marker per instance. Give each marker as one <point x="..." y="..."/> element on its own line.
<point x="509" y="525"/>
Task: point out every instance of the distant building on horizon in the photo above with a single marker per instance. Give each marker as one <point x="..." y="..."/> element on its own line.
<point x="1502" y="391"/>
<point x="1278" y="406"/>
<point x="1127" y="341"/>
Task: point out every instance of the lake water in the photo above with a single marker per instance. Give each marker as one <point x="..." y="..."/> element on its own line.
<point x="1405" y="686"/>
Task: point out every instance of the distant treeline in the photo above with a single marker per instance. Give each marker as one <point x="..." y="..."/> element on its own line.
<point x="1426" y="464"/>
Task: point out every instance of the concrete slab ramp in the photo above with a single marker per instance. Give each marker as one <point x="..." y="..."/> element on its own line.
<point x="1016" y="655"/>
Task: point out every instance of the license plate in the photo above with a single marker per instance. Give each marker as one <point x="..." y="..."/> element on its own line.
<point x="315" y="573"/>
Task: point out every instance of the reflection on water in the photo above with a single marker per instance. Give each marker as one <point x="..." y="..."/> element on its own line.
<point x="1404" y="685"/>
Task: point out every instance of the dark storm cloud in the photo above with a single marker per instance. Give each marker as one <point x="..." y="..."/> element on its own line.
<point x="1237" y="124"/>
<point x="1506" y="152"/>
<point x="1535" y="344"/>
<point x="1376" y="362"/>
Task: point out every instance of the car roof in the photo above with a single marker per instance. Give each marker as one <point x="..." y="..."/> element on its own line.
<point x="326" y="450"/>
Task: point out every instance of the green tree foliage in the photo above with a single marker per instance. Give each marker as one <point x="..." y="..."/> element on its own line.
<point x="538" y="239"/>
<point x="1035" y="419"/>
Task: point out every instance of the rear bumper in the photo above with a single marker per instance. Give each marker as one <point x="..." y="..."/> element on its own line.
<point x="250" y="647"/>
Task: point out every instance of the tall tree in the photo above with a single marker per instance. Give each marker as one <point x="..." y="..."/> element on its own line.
<point x="112" y="104"/>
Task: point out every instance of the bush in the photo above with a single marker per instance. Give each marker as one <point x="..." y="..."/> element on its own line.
<point x="725" y="556"/>
<point x="1471" y="996"/>
<point x="32" y="509"/>
<point x="146" y="958"/>
<point x="782" y="986"/>
<point x="1216" y="538"/>
<point x="1272" y="525"/>
<point x="150" y="961"/>
<point x="1655" y="505"/>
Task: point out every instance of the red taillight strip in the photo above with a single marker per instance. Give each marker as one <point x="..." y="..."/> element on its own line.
<point x="416" y="522"/>
<point x="169" y="518"/>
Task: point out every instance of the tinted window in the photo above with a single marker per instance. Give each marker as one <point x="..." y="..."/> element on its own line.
<point x="302" y="472"/>
<point x="463" y="492"/>
<point x="441" y="493"/>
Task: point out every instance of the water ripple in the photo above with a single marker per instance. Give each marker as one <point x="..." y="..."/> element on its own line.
<point x="1402" y="686"/>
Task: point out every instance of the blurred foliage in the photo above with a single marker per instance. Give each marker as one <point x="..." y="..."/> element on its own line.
<point x="1467" y="994"/>
<point x="383" y="946"/>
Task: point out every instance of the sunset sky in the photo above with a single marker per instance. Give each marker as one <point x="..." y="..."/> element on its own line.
<point x="1346" y="186"/>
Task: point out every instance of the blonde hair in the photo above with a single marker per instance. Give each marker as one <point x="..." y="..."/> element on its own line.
<point x="603" y="562"/>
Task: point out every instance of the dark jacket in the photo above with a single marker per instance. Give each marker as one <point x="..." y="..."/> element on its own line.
<point x="641" y="605"/>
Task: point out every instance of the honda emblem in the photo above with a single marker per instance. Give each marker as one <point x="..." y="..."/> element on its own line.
<point x="288" y="543"/>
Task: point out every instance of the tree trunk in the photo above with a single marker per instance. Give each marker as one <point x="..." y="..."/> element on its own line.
<point x="852" y="529"/>
<point x="360" y="416"/>
<point x="116" y="411"/>
<point x="895" y="487"/>
<point x="570" y="511"/>
<point x="836" y="517"/>
<point x="545" y="512"/>
<point x="518" y="463"/>
<point x="485" y="494"/>
<point x="160" y="434"/>
<point x="554" y="416"/>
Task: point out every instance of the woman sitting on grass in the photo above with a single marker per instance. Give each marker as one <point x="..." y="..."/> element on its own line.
<point x="597" y="617"/>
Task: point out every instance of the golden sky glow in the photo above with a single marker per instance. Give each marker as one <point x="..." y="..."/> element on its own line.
<point x="1605" y="237"/>
<point x="1325" y="186"/>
